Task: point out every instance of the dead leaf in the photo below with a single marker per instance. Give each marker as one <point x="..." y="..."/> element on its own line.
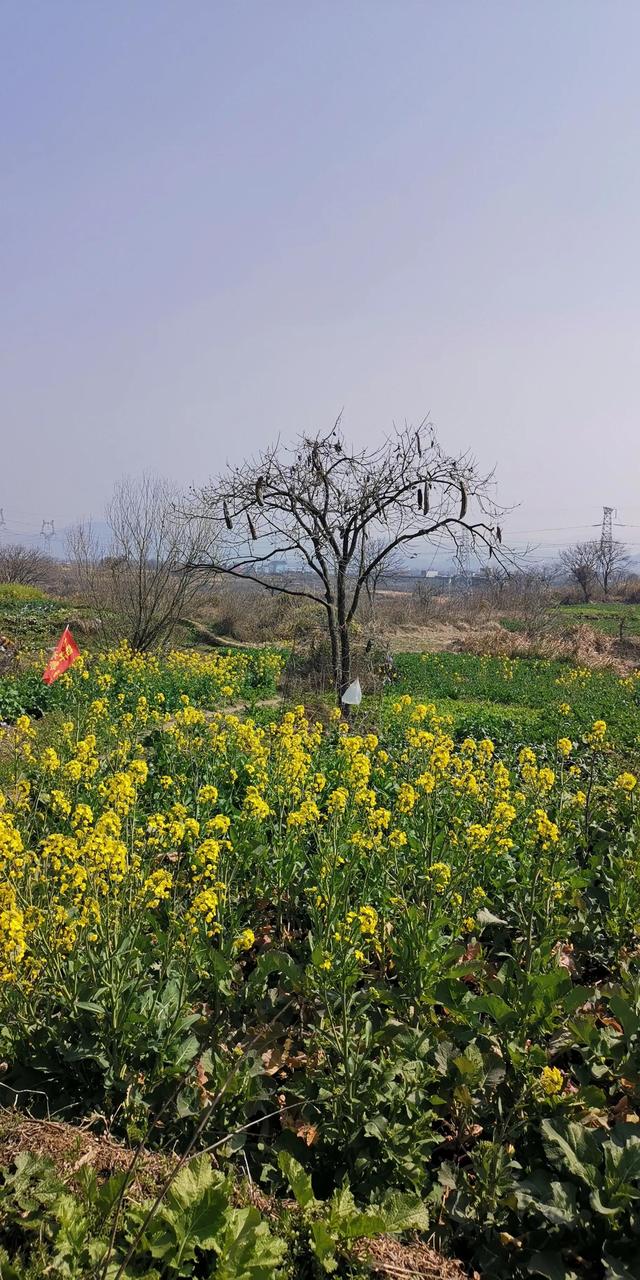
<point x="308" y="1133"/>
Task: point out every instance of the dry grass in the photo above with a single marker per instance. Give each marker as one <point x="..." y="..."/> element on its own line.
<point x="387" y="1257"/>
<point x="71" y="1148"/>
<point x="582" y="645"/>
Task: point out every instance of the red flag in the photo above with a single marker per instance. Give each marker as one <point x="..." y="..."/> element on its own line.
<point x="65" y="652"/>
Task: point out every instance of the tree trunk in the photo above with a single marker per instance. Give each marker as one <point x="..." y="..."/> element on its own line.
<point x="335" y="652"/>
<point x="345" y="659"/>
<point x="344" y="640"/>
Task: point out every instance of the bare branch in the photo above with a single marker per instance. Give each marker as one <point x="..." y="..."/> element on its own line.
<point x="338" y="514"/>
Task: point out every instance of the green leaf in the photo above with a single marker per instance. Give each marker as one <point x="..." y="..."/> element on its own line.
<point x="404" y="1212"/>
<point x="622" y="1160"/>
<point x="298" y="1179"/>
<point x="192" y="1215"/>
<point x="556" y="1201"/>
<point x="324" y="1246"/>
<point x="376" y="1127"/>
<point x="627" y="1017"/>
<point x="621" y="1172"/>
<point x="550" y="1265"/>
<point x="342" y="1205"/>
<point x="614" y="1269"/>
<point x="106" y="1196"/>
<point x="73" y="1227"/>
<point x="495" y="1006"/>
<point x="248" y="1250"/>
<point x="7" y="1269"/>
<point x="574" y="1148"/>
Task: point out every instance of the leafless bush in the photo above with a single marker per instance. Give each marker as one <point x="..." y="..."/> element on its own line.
<point x="240" y="611"/>
<point x="423" y="599"/>
<point x="611" y="563"/>
<point x="26" y="566"/>
<point x="529" y="598"/>
<point x="581" y="564"/>
<point x="309" y="665"/>
<point x="138" y="584"/>
<point x="629" y="590"/>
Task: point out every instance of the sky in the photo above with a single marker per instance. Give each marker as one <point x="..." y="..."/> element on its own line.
<point x="223" y="222"/>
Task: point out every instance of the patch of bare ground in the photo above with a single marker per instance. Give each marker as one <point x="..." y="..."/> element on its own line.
<point x="73" y="1147"/>
<point x="435" y="637"/>
<point x="388" y="1257"/>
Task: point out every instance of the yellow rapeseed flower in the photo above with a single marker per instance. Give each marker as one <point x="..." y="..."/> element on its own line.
<point x="626" y="782"/>
<point x="551" y="1080"/>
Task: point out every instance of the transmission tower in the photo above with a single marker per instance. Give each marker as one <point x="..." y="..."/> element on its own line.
<point x="465" y="547"/>
<point x="48" y="530"/>
<point x="606" y="536"/>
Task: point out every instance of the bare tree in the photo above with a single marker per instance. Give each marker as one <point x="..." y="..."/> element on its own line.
<point x="611" y="562"/>
<point x="25" y="565"/>
<point x="336" y="515"/>
<point x="528" y="596"/>
<point x="138" y="583"/>
<point x="581" y="563"/>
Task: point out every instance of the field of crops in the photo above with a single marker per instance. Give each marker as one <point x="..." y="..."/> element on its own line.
<point x="523" y="699"/>
<point x="386" y="972"/>
<point x="612" y="617"/>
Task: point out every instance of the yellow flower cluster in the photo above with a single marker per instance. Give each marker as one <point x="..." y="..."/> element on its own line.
<point x="181" y="824"/>
<point x="551" y="1081"/>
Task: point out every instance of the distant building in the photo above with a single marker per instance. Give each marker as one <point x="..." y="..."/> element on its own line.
<point x="435" y="578"/>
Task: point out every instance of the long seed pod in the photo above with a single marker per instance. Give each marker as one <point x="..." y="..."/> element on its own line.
<point x="463" y="502"/>
<point x="425" y="502"/>
<point x="252" y="528"/>
<point x="259" y="484"/>
<point x="227" y="517"/>
<point x="498" y="533"/>
<point x="419" y="499"/>
<point x="419" y="444"/>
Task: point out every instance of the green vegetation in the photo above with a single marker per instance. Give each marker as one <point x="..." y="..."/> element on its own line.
<point x="522" y="699"/>
<point x="30" y="617"/>
<point x="394" y="973"/>
<point x="14" y="593"/>
<point x="604" y="617"/>
<point x="66" y="1231"/>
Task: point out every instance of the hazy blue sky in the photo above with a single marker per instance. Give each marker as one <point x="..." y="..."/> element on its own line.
<point x="221" y="221"/>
